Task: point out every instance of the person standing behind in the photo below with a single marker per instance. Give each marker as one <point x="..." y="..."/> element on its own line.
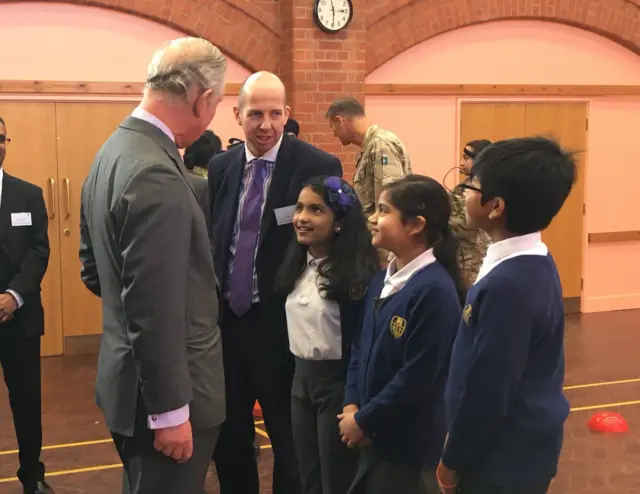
<point x="145" y="251"/>
<point x="504" y="399"/>
<point x="253" y="189"/>
<point x="196" y="160"/>
<point x="473" y="242"/>
<point x="24" y="257"/>
<point x="383" y="156"/>
<point x="325" y="275"/>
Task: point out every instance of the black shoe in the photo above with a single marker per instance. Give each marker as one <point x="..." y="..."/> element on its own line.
<point x="40" y="488"/>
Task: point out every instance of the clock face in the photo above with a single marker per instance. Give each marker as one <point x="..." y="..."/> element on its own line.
<point x="333" y="15"/>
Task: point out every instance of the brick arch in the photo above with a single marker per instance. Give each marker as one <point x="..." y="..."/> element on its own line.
<point x="394" y="26"/>
<point x="243" y="31"/>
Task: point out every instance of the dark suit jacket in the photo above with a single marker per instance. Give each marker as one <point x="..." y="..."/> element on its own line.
<point x="145" y="251"/>
<point x="24" y="252"/>
<point x="297" y="162"/>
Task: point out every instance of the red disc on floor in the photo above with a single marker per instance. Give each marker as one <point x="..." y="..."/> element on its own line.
<point x="608" y="422"/>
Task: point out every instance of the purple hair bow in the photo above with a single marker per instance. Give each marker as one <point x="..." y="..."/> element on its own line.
<point x="341" y="194"/>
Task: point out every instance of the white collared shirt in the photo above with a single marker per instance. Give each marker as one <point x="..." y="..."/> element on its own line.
<point x="524" y="245"/>
<point x="395" y="280"/>
<point x="313" y="322"/>
<point x="152" y="119"/>
<point x="269" y="156"/>
<point x="1" y="177"/>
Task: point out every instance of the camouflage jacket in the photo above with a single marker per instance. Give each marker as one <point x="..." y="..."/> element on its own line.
<point x="473" y="242"/>
<point x="383" y="159"/>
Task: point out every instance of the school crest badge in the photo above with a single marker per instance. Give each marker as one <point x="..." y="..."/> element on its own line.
<point x="397" y="326"/>
<point x="466" y="314"/>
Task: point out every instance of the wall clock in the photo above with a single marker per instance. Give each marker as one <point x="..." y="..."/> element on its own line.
<point x="332" y="16"/>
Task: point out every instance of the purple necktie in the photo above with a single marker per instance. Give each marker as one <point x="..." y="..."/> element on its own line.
<point x="241" y="280"/>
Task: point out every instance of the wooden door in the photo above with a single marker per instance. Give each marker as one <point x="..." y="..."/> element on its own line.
<point x="493" y="121"/>
<point x="82" y="129"/>
<point x="565" y="123"/>
<point x="31" y="156"/>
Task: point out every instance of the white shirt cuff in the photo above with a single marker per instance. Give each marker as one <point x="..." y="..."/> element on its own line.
<point x="169" y="419"/>
<point x="17" y="296"/>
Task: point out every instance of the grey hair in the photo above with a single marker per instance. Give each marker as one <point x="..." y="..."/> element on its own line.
<point x="184" y="63"/>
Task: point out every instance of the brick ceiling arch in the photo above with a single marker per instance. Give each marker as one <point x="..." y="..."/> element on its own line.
<point x="243" y="31"/>
<point x="394" y="26"/>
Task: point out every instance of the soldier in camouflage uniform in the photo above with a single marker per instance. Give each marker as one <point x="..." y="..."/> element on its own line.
<point x="473" y="243"/>
<point x="383" y="156"/>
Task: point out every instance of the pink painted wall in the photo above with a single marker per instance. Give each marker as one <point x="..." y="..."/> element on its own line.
<point x="531" y="52"/>
<point x="49" y="41"/>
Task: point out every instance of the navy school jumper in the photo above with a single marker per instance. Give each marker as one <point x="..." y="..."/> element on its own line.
<point x="399" y="364"/>
<point x="505" y="405"/>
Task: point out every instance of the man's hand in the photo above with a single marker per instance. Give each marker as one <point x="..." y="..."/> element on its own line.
<point x="8" y="305"/>
<point x="175" y="442"/>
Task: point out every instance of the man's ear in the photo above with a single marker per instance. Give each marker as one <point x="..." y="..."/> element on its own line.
<point x="236" y="113"/>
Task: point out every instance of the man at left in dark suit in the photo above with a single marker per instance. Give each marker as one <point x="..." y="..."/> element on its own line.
<point x="24" y="257"/>
<point x="253" y="189"/>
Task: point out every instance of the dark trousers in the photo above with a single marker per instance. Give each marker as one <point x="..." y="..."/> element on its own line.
<point x="147" y="471"/>
<point x="257" y="365"/>
<point x="469" y="485"/>
<point x="20" y="358"/>
<point x="327" y="466"/>
<point x="378" y="476"/>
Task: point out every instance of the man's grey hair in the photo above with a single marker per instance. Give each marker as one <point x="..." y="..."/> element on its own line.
<point x="184" y="63"/>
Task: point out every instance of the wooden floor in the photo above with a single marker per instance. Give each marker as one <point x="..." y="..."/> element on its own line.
<point x="603" y="373"/>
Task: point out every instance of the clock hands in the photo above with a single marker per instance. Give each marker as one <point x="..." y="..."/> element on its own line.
<point x="333" y="11"/>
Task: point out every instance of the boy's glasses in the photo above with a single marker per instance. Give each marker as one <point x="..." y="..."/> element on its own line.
<point x="4" y="140"/>
<point x="466" y="185"/>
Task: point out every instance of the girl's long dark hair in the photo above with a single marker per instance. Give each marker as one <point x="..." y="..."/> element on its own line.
<point x="352" y="261"/>
<point x="417" y="195"/>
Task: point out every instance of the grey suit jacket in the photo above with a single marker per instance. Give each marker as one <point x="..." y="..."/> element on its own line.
<point x="200" y="186"/>
<point x="144" y="250"/>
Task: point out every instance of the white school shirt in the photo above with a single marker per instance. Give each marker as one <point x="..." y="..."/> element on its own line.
<point x="395" y="280"/>
<point x="525" y="245"/>
<point x="313" y="323"/>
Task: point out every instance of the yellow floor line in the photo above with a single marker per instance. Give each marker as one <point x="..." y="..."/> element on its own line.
<point x="606" y="405"/>
<point x="69" y="472"/>
<point x="604" y="383"/>
<point x="262" y="433"/>
<point x="60" y="446"/>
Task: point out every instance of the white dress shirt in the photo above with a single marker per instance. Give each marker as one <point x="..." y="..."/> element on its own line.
<point x="313" y="323"/>
<point x="524" y="245"/>
<point x="16" y="295"/>
<point x="396" y="279"/>
<point x="180" y="416"/>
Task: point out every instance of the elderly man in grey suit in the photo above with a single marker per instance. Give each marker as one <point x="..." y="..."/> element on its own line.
<point x="145" y="251"/>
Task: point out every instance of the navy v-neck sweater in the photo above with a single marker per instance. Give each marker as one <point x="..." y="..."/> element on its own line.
<point x="399" y="364"/>
<point x="505" y="405"/>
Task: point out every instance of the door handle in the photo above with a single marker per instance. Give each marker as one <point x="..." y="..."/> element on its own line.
<point x="67" y="193"/>
<point x="52" y="202"/>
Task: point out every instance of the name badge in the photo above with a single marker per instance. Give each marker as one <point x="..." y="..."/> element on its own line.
<point x="284" y="216"/>
<point x="20" y="219"/>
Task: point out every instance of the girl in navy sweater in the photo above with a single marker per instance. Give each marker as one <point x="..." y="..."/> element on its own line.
<point x="325" y="274"/>
<point x="394" y="404"/>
